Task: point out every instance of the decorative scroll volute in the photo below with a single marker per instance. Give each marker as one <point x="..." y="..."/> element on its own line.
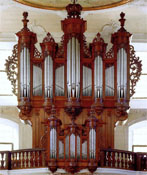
<point x="135" y="70"/>
<point x="11" y="67"/>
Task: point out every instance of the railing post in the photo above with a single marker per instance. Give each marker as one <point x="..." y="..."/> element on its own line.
<point x="102" y="158"/>
<point x="138" y="162"/>
<point x="9" y="160"/>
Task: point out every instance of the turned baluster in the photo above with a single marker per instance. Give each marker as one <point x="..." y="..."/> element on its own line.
<point x="129" y="161"/>
<point x="23" y="159"/>
<point x="31" y="159"/>
<point x="12" y="160"/>
<point x="122" y="160"/>
<point x="2" y="160"/>
<point x="133" y="162"/>
<point x="118" y="160"/>
<point x="126" y="161"/>
<point x="113" y="159"/>
<point x="145" y="161"/>
<point x="109" y="159"/>
<point x="27" y="159"/>
<point x="19" y="162"/>
<point x="40" y="158"/>
<point x="36" y="159"/>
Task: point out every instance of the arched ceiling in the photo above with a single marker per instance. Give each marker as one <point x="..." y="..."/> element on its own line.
<point x="61" y="4"/>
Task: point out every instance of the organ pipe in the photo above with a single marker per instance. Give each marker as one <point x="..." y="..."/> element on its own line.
<point x="87" y="81"/>
<point x="25" y="73"/>
<point x="48" y="77"/>
<point x="121" y="73"/>
<point x="109" y="81"/>
<point x="53" y="143"/>
<point x="98" y="76"/>
<point x="59" y="81"/>
<point x="92" y="143"/>
<point x="73" y="68"/>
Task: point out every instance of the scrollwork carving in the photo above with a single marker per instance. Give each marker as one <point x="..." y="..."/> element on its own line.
<point x="48" y="38"/>
<point x="110" y="54"/>
<point x="135" y="70"/>
<point x="11" y="67"/>
<point x="37" y="54"/>
<point x="60" y="52"/>
<point x="87" y="53"/>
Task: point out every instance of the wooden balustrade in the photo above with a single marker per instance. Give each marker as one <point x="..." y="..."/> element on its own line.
<point x="20" y="159"/>
<point x="113" y="158"/>
<point x="109" y="158"/>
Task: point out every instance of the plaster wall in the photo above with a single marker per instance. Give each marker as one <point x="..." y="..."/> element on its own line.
<point x="25" y="131"/>
<point x="121" y="130"/>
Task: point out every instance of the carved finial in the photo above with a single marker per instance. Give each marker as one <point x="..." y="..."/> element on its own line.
<point x="53" y="111"/>
<point x="122" y="20"/>
<point x="25" y="20"/>
<point x="92" y="111"/>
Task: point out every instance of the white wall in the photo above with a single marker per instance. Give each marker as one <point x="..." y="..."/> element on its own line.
<point x="25" y="131"/>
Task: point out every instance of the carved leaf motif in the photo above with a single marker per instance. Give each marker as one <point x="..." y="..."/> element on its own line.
<point x="60" y="52"/>
<point x="135" y="70"/>
<point x="37" y="54"/>
<point x="110" y="54"/>
<point x="98" y="38"/>
<point x="87" y="53"/>
<point x="11" y="67"/>
<point x="48" y="38"/>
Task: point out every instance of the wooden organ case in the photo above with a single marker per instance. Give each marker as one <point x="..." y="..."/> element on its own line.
<point x="73" y="94"/>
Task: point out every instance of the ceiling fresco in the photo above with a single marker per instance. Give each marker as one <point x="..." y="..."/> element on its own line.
<point x="61" y="4"/>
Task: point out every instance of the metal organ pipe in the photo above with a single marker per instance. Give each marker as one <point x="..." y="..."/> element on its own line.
<point x="122" y="73"/>
<point x="53" y="144"/>
<point x="48" y="76"/>
<point x="25" y="73"/>
<point x="92" y="143"/>
<point x="98" y="76"/>
<point x="73" y="68"/>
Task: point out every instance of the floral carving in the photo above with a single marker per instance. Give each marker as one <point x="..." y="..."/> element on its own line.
<point x="87" y="53"/>
<point x="60" y="52"/>
<point x="98" y="38"/>
<point x="48" y="38"/>
<point x="110" y="54"/>
<point x="37" y="54"/>
<point x="12" y="69"/>
<point x="135" y="70"/>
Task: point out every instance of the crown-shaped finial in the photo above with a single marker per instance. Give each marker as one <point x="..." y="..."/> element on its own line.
<point x="74" y="10"/>
<point x="74" y="1"/>
<point x="25" y="20"/>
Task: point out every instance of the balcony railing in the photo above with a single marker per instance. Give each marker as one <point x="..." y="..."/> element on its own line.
<point x="21" y="159"/>
<point x="109" y="158"/>
<point x="120" y="159"/>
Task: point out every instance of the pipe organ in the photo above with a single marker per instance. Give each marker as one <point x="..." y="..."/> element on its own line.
<point x="73" y="94"/>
